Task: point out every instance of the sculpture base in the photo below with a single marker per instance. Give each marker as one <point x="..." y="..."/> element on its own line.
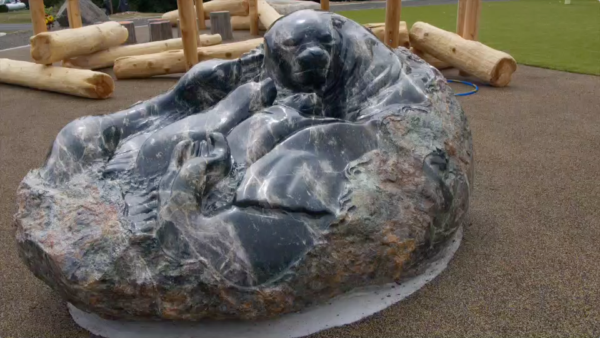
<point x="341" y="310"/>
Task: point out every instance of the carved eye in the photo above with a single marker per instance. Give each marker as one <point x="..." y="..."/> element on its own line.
<point x="289" y="42"/>
<point x="325" y="38"/>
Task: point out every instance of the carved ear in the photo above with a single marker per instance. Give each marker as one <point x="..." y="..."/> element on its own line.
<point x="338" y="22"/>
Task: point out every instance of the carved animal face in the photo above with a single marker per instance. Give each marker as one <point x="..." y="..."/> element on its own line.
<point x="299" y="49"/>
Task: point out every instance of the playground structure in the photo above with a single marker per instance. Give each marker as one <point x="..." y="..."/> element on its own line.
<point x="107" y="44"/>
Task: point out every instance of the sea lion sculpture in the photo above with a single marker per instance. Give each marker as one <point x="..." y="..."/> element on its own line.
<point x="319" y="163"/>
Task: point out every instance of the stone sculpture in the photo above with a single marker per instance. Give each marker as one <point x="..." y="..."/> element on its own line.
<point x="321" y="162"/>
<point x="90" y="14"/>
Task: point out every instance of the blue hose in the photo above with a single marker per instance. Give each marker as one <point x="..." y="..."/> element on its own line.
<point x="475" y="90"/>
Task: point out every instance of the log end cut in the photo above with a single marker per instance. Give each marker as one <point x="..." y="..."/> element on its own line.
<point x="502" y="72"/>
<point x="102" y="86"/>
<point x="471" y="57"/>
<point x="41" y="48"/>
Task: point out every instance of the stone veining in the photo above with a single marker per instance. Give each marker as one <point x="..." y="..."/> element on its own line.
<point x="320" y="162"/>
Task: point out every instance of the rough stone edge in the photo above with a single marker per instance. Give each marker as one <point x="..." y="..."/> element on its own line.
<point x="341" y="310"/>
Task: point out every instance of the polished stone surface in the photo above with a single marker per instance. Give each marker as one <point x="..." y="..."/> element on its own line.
<point x="347" y="308"/>
<point x="318" y="163"/>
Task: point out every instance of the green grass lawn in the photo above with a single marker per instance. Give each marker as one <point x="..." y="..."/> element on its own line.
<point x="540" y="33"/>
<point x="15" y="17"/>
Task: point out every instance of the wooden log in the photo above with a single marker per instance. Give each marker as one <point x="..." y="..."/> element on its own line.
<point x="173" y="62"/>
<point x="475" y="58"/>
<point x="131" y="38"/>
<point x="392" y="23"/>
<point x="325" y="5"/>
<point x="200" y="15"/>
<point x="189" y="32"/>
<point x="106" y="58"/>
<point x="50" y="47"/>
<point x="253" y="16"/>
<point x="267" y="14"/>
<point x="238" y="23"/>
<point x="38" y="16"/>
<point x="379" y="30"/>
<point x="242" y="23"/>
<point x="234" y="7"/>
<point x="74" y="14"/>
<point x="160" y="30"/>
<point x="220" y="23"/>
<point x="435" y="62"/>
<point x="460" y="17"/>
<point x="78" y="82"/>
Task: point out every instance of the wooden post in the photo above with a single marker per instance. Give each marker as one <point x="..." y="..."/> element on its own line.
<point x="110" y="6"/>
<point x="471" y="26"/>
<point x="189" y="32"/>
<point x="200" y="15"/>
<point x="160" y="30"/>
<point x="220" y="23"/>
<point x="392" y="23"/>
<point x="74" y="14"/>
<point x="253" y="13"/>
<point x="325" y="5"/>
<point x="38" y="16"/>
<point x="460" y="17"/>
<point x="131" y="39"/>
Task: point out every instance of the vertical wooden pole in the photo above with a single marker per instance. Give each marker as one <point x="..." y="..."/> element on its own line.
<point x="392" y="23"/>
<point x="38" y="16"/>
<point x="477" y="19"/>
<point x="253" y="13"/>
<point x="200" y="14"/>
<point x="325" y="5"/>
<point x="460" y="17"/>
<point x="471" y="26"/>
<point x="74" y="14"/>
<point x="110" y="6"/>
<point x="189" y="32"/>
